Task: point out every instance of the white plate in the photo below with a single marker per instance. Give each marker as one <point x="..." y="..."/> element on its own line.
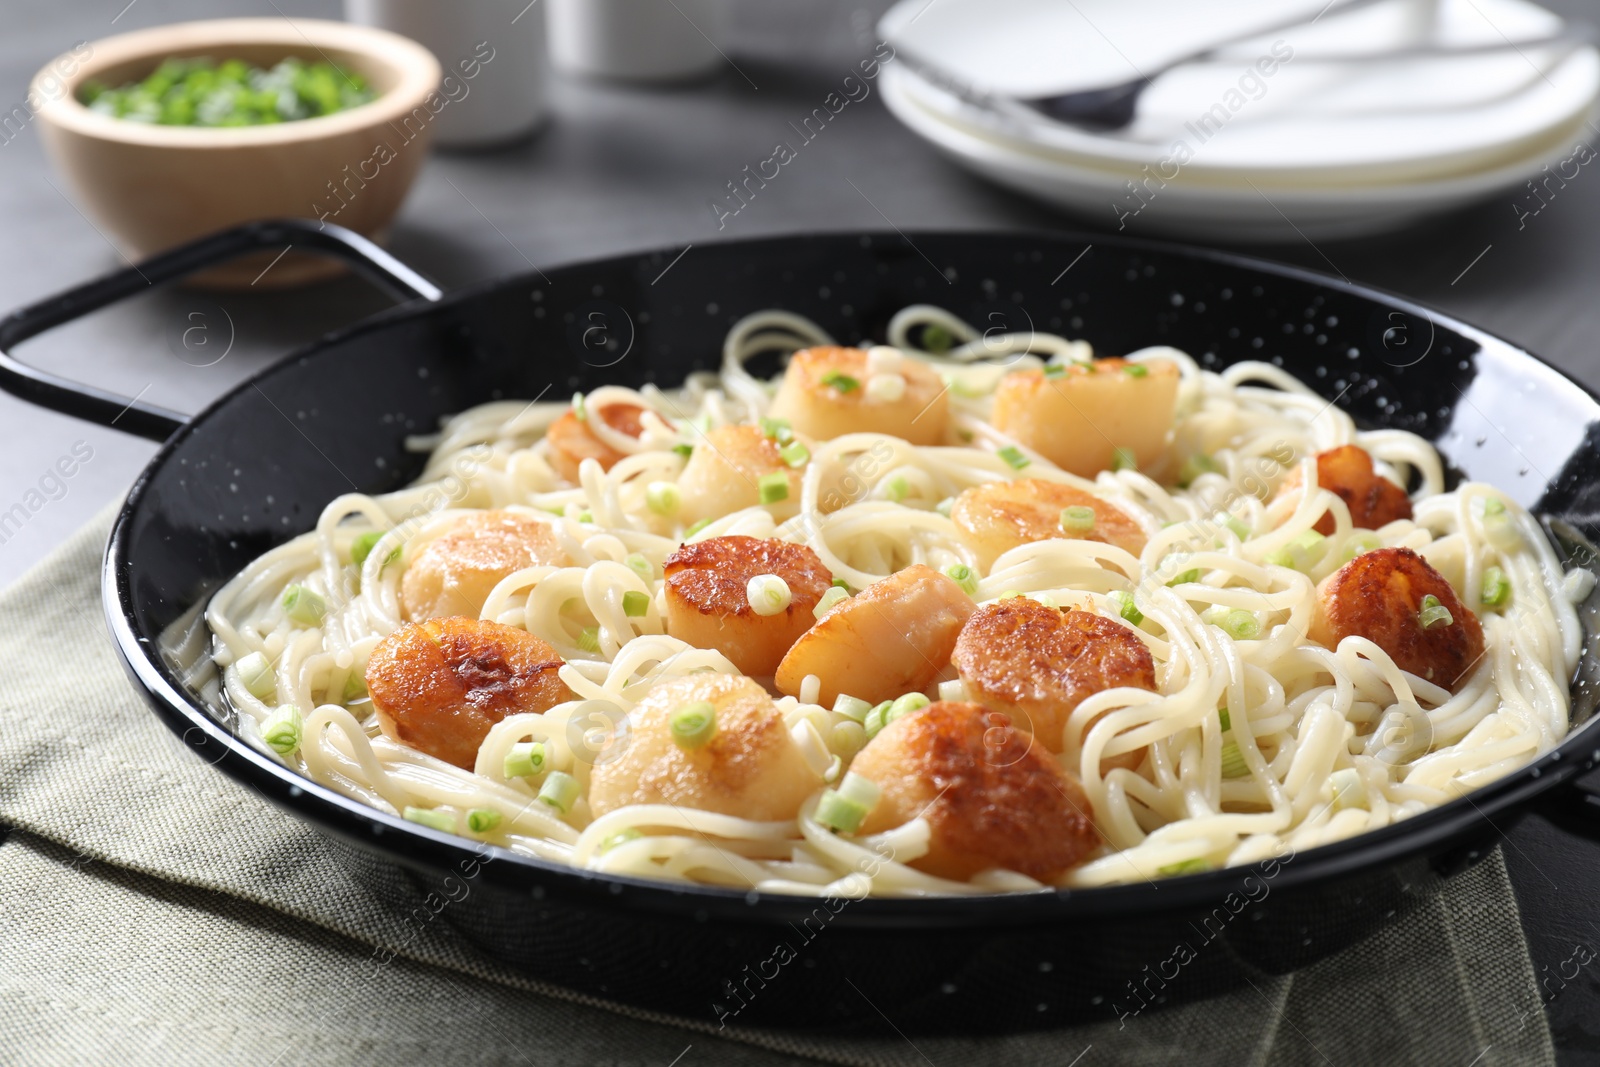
<point x="1304" y="123"/>
<point x="1264" y="211"/>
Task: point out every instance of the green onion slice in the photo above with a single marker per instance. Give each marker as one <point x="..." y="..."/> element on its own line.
<point x="1434" y="613"/>
<point x="303" y="605"/>
<point x="525" y="759"/>
<point x="560" y="791"/>
<point x="432" y="818"/>
<point x="693" y="724"/>
<point x="281" y="729"/>
<point x="1078" y="518"/>
<point x="773" y="487"/>
<point x="1014" y="457"/>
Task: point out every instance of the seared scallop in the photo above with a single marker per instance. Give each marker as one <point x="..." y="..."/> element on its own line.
<point x="1078" y="416"/>
<point x="441" y="685"/>
<point x="455" y="573"/>
<point x="572" y="440"/>
<point x="1380" y="595"/>
<point x="1038" y="663"/>
<point x="725" y="473"/>
<point x="1374" y="501"/>
<point x="992" y="798"/>
<point x="741" y="762"/>
<point x="998" y="516"/>
<point x="830" y="391"/>
<point x="893" y="637"/>
<point x="709" y="597"/>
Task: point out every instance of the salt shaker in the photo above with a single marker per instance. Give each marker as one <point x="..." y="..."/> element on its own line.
<point x="637" y="40"/>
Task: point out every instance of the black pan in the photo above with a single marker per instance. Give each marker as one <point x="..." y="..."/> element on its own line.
<point x="335" y="415"/>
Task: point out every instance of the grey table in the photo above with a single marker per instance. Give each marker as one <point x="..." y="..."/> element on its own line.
<point x="621" y="169"/>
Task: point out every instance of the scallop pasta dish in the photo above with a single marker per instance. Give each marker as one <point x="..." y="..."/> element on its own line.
<point x="947" y="615"/>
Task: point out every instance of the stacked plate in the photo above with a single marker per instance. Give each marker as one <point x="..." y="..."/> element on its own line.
<point x="1292" y="133"/>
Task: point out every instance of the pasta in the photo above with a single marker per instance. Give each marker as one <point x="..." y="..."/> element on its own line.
<point x="1219" y="731"/>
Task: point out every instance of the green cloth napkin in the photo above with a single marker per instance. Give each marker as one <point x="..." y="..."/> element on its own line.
<point x="153" y="912"/>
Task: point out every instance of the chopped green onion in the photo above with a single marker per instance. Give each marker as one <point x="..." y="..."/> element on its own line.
<point x="525" y="759"/>
<point x="1044" y="598"/>
<point x="795" y="454"/>
<point x="768" y="594"/>
<point x="1194" y="866"/>
<point x="1126" y="607"/>
<point x="936" y="339"/>
<point x="905" y="705"/>
<point x="255" y="672"/>
<point x="304" y="606"/>
<point x="560" y="791"/>
<point x="355" y="687"/>
<point x="840" y="583"/>
<point x="693" y="724"/>
<point x="621" y="837"/>
<point x="1055" y="370"/>
<point x="635" y="605"/>
<point x="1434" y="613"/>
<point x="1237" y="623"/>
<point x="945" y="506"/>
<point x="1014" y="457"/>
<point x="895" y="489"/>
<point x="1194" y="466"/>
<point x="684" y="450"/>
<point x="362" y="546"/>
<point x="1360" y="543"/>
<point x="1233" y="764"/>
<point x="1136" y="370"/>
<point x="839" y="813"/>
<point x="874" y="720"/>
<point x="482" y="820"/>
<point x="1496" y="588"/>
<point x="844" y="807"/>
<point x="281" y="729"/>
<point x="962" y="575"/>
<point x="696" y="528"/>
<point x="1009" y="594"/>
<point x="663" y="498"/>
<point x="432" y="818"/>
<point x="1226" y="719"/>
<point x="840" y="381"/>
<point x="641" y="566"/>
<point x="1302" y="553"/>
<point x="1349" y="789"/>
<point x="1184" y="577"/>
<point x="1078" y="518"/>
<point x="829" y="599"/>
<point x="1240" y="530"/>
<point x="851" y="707"/>
<point x="585" y="516"/>
<point x="773" y="487"/>
<point x="1498" y="525"/>
<point x="776" y="429"/>
<point x="579" y="408"/>
<point x="589" y="639"/>
<point x="1124" y="459"/>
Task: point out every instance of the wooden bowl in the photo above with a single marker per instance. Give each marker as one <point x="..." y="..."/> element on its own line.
<point x="150" y="187"/>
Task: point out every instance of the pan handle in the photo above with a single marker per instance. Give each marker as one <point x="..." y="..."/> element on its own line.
<point x="130" y="414"/>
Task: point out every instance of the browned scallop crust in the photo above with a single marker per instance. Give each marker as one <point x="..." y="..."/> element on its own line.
<point x="991" y="797"/>
<point x="440" y="686"/>
<point x="1374" y="501"/>
<point x="706" y="588"/>
<point x="1029" y="509"/>
<point x="572" y="442"/>
<point x="454" y="573"/>
<point x="1038" y="663"/>
<point x="1378" y="595"/>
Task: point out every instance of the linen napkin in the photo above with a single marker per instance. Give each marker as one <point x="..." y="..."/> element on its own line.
<point x="153" y="912"/>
